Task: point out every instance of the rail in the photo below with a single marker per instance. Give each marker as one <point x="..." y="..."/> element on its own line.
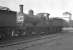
<point x="28" y="41"/>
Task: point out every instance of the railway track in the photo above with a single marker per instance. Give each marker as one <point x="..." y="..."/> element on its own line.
<point x="39" y="42"/>
<point x="25" y="44"/>
<point x="29" y="41"/>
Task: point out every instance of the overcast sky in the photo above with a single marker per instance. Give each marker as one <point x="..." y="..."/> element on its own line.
<point x="54" y="7"/>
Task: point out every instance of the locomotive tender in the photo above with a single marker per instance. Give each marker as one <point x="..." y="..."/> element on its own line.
<point x="17" y="24"/>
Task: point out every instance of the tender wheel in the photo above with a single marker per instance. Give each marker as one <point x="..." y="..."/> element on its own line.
<point x="3" y="37"/>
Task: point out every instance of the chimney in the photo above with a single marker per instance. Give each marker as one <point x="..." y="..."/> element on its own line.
<point x="21" y="8"/>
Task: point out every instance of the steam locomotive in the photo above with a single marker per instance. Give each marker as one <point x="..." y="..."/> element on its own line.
<point x="13" y="24"/>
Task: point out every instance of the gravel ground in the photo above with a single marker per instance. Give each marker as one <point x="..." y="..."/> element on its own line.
<point x="65" y="42"/>
<point x="62" y="41"/>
